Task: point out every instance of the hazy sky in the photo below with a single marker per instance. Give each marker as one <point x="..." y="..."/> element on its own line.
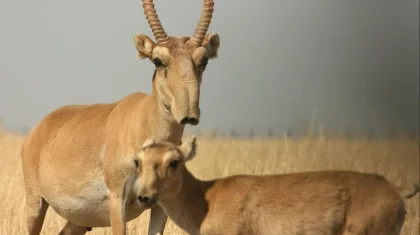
<point x="352" y="60"/>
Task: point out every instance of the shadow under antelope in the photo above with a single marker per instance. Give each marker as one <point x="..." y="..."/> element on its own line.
<point x="316" y="203"/>
<point x="78" y="159"/>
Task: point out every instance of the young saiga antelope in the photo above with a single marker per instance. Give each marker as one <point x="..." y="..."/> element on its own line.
<point x="315" y="203"/>
<point x="78" y="159"/>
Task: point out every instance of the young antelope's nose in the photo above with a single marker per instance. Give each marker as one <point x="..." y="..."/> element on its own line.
<point x="146" y="199"/>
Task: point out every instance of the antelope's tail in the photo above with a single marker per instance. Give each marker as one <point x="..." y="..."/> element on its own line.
<point x="409" y="193"/>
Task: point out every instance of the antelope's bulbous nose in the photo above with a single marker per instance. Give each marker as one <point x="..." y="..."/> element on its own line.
<point x="189" y="120"/>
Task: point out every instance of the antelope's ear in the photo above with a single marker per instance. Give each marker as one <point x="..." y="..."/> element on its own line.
<point x="148" y="142"/>
<point x="144" y="46"/>
<point x="211" y="42"/>
<point x="189" y="148"/>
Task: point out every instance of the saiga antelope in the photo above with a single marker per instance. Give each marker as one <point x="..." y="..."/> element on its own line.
<point x="78" y="159"/>
<point x="315" y="203"/>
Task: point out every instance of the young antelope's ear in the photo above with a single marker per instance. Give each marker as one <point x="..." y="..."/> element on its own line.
<point x="144" y="46"/>
<point x="148" y="142"/>
<point x="189" y="148"/>
<point x="212" y="42"/>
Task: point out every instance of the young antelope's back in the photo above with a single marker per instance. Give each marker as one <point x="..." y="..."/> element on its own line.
<point x="323" y="202"/>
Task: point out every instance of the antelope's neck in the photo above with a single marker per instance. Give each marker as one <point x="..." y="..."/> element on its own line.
<point x="150" y="118"/>
<point x="188" y="208"/>
<point x="162" y="125"/>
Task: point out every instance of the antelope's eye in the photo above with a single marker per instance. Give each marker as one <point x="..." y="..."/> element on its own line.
<point x="157" y="62"/>
<point x="136" y="162"/>
<point x="174" y="164"/>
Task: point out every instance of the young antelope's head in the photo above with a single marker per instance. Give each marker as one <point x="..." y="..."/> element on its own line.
<point x="180" y="63"/>
<point x="160" y="166"/>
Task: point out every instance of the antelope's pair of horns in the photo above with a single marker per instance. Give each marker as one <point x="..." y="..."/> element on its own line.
<point x="160" y="34"/>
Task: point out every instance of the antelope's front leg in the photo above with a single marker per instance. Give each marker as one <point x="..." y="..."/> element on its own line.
<point x="117" y="202"/>
<point x="117" y="212"/>
<point x="157" y="221"/>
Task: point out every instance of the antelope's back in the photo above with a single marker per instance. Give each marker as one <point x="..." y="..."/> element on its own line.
<point x="71" y="128"/>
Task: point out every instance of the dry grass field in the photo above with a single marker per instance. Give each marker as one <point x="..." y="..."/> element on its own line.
<point x="397" y="159"/>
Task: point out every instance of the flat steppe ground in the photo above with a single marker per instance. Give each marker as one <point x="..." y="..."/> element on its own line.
<point x="395" y="158"/>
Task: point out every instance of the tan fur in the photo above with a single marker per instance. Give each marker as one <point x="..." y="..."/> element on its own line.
<point x="306" y="203"/>
<point x="78" y="159"/>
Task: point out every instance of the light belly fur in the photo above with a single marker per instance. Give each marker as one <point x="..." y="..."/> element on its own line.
<point x="83" y="203"/>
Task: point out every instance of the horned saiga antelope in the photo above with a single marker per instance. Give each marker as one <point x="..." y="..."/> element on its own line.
<point x="316" y="203"/>
<point x="78" y="159"/>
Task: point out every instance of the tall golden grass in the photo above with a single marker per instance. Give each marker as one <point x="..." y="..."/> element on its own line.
<point x="397" y="159"/>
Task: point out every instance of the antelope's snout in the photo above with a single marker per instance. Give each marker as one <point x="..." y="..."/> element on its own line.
<point x="186" y="107"/>
<point x="147" y="199"/>
<point x="190" y="120"/>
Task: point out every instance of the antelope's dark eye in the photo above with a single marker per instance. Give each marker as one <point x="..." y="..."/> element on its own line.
<point x="157" y="62"/>
<point x="174" y="164"/>
<point x="136" y="162"/>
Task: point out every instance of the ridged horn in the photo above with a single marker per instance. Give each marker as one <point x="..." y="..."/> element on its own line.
<point x="154" y="23"/>
<point x="203" y="23"/>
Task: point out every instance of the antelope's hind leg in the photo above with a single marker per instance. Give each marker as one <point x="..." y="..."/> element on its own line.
<point x="35" y="208"/>
<point x="72" y="229"/>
